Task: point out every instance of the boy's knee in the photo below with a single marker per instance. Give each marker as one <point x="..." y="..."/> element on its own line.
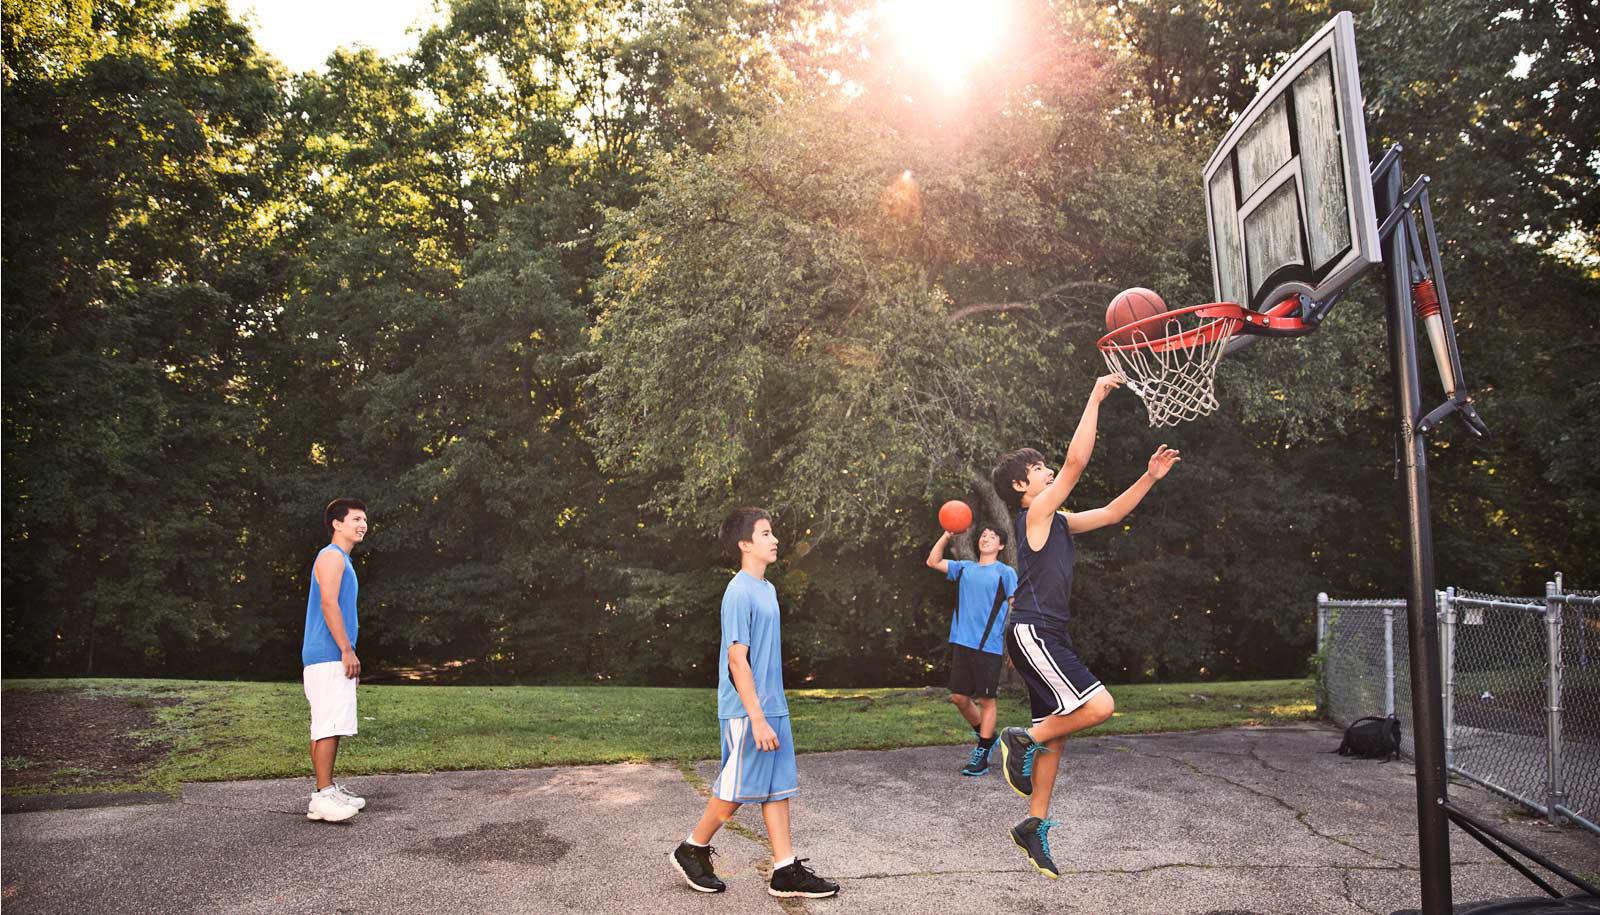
<point x="958" y="699"/>
<point x="1102" y="706"/>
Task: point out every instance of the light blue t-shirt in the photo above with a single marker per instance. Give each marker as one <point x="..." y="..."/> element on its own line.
<point x="750" y="617"/>
<point x="975" y="600"/>
<point x="319" y="645"/>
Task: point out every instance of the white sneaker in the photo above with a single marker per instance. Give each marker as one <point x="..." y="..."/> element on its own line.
<point x="350" y="797"/>
<point x="329" y="806"/>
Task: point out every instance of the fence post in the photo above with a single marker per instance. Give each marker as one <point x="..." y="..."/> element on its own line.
<point x="1322" y="655"/>
<point x="1555" y="794"/>
<point x="1447" y="661"/>
<point x="1388" y="660"/>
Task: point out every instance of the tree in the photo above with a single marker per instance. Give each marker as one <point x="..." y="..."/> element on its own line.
<point x="128" y="281"/>
<point x="829" y="312"/>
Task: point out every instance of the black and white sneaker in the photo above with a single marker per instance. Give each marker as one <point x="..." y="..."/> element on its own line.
<point x="1033" y="836"/>
<point x="978" y="764"/>
<point x="1017" y="751"/>
<point x="694" y="863"/>
<point x="795" y="879"/>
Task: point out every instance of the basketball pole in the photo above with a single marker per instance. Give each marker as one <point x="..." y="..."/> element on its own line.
<point x="1433" y="829"/>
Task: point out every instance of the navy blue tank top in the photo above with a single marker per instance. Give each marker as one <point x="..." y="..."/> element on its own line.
<point x="1044" y="577"/>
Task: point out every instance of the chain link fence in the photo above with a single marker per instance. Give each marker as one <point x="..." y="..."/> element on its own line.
<point x="1577" y="795"/>
<point x="1521" y="688"/>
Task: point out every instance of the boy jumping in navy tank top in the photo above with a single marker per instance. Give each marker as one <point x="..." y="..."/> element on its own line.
<point x="1064" y="695"/>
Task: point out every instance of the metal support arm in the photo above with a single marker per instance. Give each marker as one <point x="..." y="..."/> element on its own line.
<point x="1428" y="268"/>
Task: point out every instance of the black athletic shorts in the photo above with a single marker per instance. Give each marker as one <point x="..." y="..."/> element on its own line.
<point x="1058" y="682"/>
<point x="974" y="673"/>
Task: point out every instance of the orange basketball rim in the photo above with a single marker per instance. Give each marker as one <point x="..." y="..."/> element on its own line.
<point x="1170" y="359"/>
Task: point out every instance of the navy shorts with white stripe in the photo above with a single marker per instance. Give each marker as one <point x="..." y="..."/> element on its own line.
<point x="1058" y="682"/>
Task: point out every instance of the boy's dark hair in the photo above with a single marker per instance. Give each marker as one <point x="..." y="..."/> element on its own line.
<point x="999" y="531"/>
<point x="1013" y="468"/>
<point x="739" y="526"/>
<point x="337" y="509"/>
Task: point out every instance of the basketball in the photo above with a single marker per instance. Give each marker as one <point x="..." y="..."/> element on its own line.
<point x="955" y="516"/>
<point x="1132" y="305"/>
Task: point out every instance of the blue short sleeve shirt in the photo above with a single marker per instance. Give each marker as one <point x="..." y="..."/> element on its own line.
<point x="750" y="618"/>
<point x="979" y="583"/>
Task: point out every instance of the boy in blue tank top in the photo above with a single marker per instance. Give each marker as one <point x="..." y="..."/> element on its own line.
<point x="328" y="662"/>
<point x="977" y="634"/>
<point x="757" y="747"/>
<point x="1064" y="695"/>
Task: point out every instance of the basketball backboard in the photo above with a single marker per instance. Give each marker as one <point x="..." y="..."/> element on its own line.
<point x="1288" y="192"/>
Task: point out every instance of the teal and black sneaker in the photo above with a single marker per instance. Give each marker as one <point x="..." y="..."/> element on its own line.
<point x="978" y="764"/>
<point x="1017" y="751"/>
<point x="1033" y="836"/>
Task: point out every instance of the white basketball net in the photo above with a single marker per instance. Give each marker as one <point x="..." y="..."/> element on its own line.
<point x="1173" y="373"/>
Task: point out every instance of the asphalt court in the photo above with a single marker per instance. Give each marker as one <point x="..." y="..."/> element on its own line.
<point x="1246" y="820"/>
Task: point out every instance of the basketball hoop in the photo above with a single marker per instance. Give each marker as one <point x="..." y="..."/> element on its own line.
<point x="1170" y="359"/>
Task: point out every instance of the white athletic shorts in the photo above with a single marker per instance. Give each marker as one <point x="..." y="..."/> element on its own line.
<point x="333" y="700"/>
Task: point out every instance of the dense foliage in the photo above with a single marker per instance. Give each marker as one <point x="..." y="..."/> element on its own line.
<point x="559" y="287"/>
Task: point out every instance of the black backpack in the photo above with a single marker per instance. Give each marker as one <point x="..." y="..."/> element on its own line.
<point x="1372" y="738"/>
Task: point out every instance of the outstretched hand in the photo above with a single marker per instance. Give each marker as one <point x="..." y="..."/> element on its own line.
<point x="1162" y="461"/>
<point x="1104" y="385"/>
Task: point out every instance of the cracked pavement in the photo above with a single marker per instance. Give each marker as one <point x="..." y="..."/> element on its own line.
<point x="1227" y="822"/>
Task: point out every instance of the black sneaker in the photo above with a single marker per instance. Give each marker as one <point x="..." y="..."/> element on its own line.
<point x="1017" y="751"/>
<point x="694" y="863"/>
<point x="795" y="879"/>
<point x="1032" y="836"/>
<point x="978" y="764"/>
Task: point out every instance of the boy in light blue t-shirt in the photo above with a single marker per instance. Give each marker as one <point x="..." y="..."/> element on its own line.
<point x="977" y="634"/>
<point x="757" y="746"/>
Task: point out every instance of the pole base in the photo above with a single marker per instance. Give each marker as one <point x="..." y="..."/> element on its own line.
<point x="1525" y="905"/>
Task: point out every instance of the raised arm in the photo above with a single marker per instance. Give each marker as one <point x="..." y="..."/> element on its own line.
<point x="1118" y="508"/>
<point x="936" y="560"/>
<point x="1078" y="451"/>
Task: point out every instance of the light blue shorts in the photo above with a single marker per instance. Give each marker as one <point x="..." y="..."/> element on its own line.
<point x="752" y="776"/>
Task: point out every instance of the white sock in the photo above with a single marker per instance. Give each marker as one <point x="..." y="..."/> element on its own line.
<point x="327" y="790"/>
<point x="691" y="841"/>
<point x="778" y="865"/>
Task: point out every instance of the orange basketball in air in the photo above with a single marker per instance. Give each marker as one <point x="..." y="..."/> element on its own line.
<point x="955" y="516"/>
<point x="1132" y="305"/>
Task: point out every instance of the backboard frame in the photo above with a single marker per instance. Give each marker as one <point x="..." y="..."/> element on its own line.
<point x="1313" y="279"/>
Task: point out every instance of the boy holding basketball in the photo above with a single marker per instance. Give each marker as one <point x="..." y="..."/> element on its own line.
<point x="977" y="634"/>
<point x="1064" y="695"/>
<point x="757" y="747"/>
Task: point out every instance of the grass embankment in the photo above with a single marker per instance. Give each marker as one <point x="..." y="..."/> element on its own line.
<point x="227" y="730"/>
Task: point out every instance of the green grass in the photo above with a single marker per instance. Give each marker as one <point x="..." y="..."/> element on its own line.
<point x="224" y="730"/>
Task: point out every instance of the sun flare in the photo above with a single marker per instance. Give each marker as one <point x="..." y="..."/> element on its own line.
<point x="946" y="39"/>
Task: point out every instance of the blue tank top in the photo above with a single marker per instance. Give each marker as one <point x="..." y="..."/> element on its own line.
<point x="1044" y="577"/>
<point x="319" y="646"/>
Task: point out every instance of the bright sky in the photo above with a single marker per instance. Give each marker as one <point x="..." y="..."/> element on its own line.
<point x="302" y="33"/>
